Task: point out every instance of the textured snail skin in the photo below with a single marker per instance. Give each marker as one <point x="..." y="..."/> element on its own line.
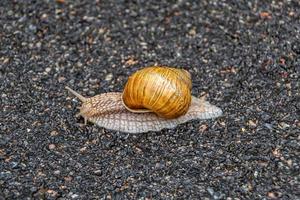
<point x="165" y="91"/>
<point x="107" y="110"/>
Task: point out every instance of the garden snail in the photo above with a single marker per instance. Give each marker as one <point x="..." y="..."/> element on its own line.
<point x="154" y="98"/>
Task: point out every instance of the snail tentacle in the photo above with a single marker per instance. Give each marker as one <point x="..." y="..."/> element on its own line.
<point x="79" y="96"/>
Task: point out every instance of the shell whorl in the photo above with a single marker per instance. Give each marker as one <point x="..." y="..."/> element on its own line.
<point x="107" y="110"/>
<point x="165" y="91"/>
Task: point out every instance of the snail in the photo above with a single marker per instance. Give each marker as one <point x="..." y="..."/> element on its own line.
<point x="154" y="98"/>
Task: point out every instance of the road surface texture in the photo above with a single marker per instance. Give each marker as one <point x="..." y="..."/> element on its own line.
<point x="245" y="55"/>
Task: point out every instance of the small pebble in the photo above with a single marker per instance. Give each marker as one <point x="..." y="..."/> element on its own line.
<point x="83" y="149"/>
<point x="61" y="79"/>
<point x="252" y="123"/>
<point x="48" y="69"/>
<point x="109" y="77"/>
<point x="56" y="172"/>
<point x="203" y="128"/>
<point x="52" y="146"/>
<point x="73" y="196"/>
<point x="269" y="126"/>
<point x="52" y="193"/>
<point x="60" y="1"/>
<point x="53" y="133"/>
<point x="98" y="172"/>
<point x="283" y="125"/>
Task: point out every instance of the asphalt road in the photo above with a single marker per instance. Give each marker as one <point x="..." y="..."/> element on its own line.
<point x="244" y="54"/>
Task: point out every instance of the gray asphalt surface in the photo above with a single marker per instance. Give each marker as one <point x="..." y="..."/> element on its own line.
<point x="244" y="54"/>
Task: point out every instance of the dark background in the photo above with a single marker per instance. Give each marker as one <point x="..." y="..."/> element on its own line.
<point x="244" y="54"/>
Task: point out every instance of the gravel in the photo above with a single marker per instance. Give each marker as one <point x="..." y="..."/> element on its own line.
<point x="245" y="55"/>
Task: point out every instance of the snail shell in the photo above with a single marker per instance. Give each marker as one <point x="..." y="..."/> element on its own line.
<point x="163" y="90"/>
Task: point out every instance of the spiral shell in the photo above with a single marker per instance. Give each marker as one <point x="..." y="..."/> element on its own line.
<point x="163" y="90"/>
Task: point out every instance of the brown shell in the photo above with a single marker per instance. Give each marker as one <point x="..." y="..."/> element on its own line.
<point x="163" y="90"/>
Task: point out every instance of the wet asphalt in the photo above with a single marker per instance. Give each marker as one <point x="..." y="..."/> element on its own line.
<point x="244" y="54"/>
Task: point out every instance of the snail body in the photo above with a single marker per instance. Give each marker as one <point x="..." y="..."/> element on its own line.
<point x="138" y="109"/>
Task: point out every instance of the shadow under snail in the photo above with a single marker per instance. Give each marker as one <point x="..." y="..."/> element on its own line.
<point x="154" y="98"/>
